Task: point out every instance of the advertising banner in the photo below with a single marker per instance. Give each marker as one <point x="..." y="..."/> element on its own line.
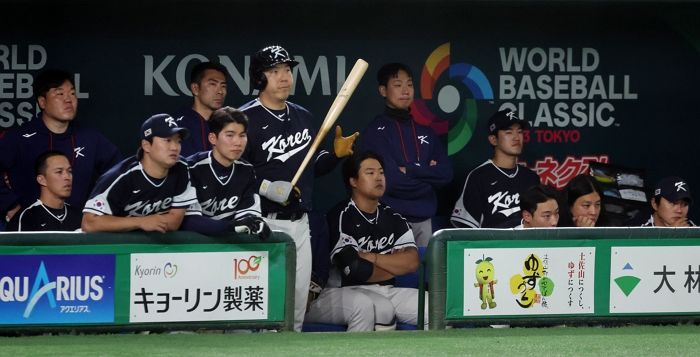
<point x="57" y="289"/>
<point x="199" y="286"/>
<point x="531" y="281"/>
<point x="654" y="279"/>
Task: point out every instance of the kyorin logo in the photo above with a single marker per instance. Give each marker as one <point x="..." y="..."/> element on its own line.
<point x="169" y="270"/>
<point x="449" y="97"/>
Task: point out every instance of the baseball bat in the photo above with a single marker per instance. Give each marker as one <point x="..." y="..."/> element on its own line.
<point x="358" y="70"/>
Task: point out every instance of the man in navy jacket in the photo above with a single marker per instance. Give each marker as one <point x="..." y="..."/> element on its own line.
<point x="415" y="159"/>
<point x="89" y="152"/>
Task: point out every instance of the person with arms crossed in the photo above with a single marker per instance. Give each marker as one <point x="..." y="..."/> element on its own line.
<point x="491" y="194"/>
<point x="225" y="184"/>
<point x="370" y="245"/>
<point x="50" y="212"/>
<point x="149" y="191"/>
<point x="670" y="203"/>
<point x="539" y="207"/>
<point x="90" y="154"/>
<point x="208" y="86"/>
<point x="415" y="159"/>
<point x="280" y="134"/>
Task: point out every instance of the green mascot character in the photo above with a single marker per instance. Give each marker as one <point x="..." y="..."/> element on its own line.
<point x="485" y="274"/>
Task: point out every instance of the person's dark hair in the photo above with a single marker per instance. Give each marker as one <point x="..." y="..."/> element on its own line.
<point x="40" y="162"/>
<point x="391" y="70"/>
<point x="139" y="150"/>
<point x="224" y="116"/>
<point x="580" y="185"/>
<point x="197" y="72"/>
<point x="351" y="165"/>
<point x="49" y="79"/>
<point x="535" y="195"/>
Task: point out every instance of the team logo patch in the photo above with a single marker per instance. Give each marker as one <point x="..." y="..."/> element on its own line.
<point x="147" y="133"/>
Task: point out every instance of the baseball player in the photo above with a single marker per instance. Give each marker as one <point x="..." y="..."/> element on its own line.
<point x="539" y="207"/>
<point x="279" y="136"/>
<point x="414" y="157"/>
<point x="89" y="152"/>
<point x="50" y="212"/>
<point x="370" y="245"/>
<point x="208" y="86"/>
<point x="491" y="194"/>
<point x="226" y="192"/>
<point x="149" y="191"/>
<point x="670" y="203"/>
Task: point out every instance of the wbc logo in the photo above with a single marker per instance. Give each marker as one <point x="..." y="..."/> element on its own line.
<point x="459" y="88"/>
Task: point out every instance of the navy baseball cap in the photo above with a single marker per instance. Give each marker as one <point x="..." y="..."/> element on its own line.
<point x="673" y="189"/>
<point x="162" y="126"/>
<point x="504" y="119"/>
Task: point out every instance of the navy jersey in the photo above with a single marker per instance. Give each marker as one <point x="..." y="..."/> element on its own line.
<point x="88" y="151"/>
<point x="38" y="217"/>
<point x="382" y="232"/>
<point x="491" y="196"/>
<point x="277" y="144"/>
<point x="223" y="193"/>
<point x="650" y="222"/>
<point x="199" y="131"/>
<point x="127" y="191"/>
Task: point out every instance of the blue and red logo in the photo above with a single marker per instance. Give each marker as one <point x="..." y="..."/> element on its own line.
<point x="449" y="98"/>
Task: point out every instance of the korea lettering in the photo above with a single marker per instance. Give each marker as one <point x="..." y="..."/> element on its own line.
<point x="199" y="286"/>
<point x="655" y="279"/>
<point x="56" y="289"/>
<point x="528" y="281"/>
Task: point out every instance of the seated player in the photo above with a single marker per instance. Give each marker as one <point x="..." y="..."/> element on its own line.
<point x="370" y="245"/>
<point x="50" y="212"/>
<point x="670" y="203"/>
<point x="149" y="191"/>
<point x="539" y="207"/>
<point x="226" y="190"/>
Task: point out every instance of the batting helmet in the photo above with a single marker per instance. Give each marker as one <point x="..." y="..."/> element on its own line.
<point x="265" y="59"/>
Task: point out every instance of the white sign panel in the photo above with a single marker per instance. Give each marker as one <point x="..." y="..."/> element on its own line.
<point x="654" y="279"/>
<point x="527" y="281"/>
<point x="199" y="286"/>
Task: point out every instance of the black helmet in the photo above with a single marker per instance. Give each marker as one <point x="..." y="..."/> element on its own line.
<point x="267" y="58"/>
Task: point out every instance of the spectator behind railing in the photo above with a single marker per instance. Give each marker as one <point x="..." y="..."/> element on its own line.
<point x="581" y="203"/>
<point x="539" y="207"/>
<point x="670" y="203"/>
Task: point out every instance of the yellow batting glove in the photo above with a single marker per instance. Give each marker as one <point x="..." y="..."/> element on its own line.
<point x="342" y="145"/>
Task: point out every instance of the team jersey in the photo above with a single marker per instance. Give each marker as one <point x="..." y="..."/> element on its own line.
<point x="277" y="144"/>
<point x="38" y="217"/>
<point x="222" y="192"/>
<point x="650" y="222"/>
<point x="199" y="131"/>
<point x="88" y="151"/>
<point x="491" y="196"/>
<point x="382" y="232"/>
<point x="127" y="191"/>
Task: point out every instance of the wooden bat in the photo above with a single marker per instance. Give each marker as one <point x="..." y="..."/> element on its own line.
<point x="358" y="70"/>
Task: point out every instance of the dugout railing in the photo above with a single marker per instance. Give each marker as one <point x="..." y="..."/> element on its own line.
<point x="562" y="276"/>
<point x="53" y="282"/>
